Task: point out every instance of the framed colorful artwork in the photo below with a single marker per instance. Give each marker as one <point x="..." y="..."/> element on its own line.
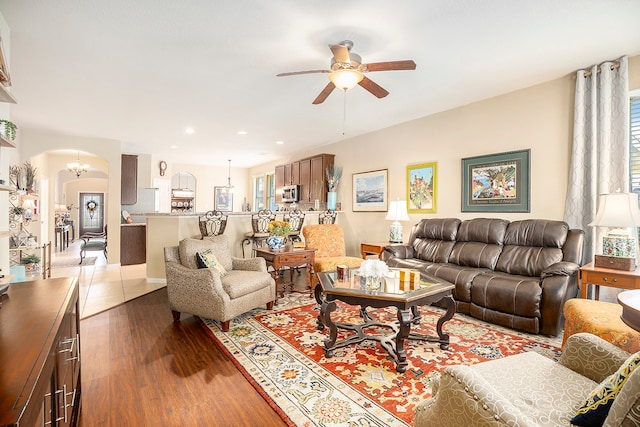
<point x="223" y="199"/>
<point x="421" y="188"/>
<point x="497" y="182"/>
<point x="370" y="191"/>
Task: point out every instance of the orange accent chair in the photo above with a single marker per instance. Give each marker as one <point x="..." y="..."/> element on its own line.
<point x="328" y="240"/>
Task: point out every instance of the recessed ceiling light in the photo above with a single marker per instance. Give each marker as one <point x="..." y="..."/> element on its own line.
<point x="279" y="142"/>
<point x="242" y="132"/>
<point x="189" y="131"/>
<point x="173" y="147"/>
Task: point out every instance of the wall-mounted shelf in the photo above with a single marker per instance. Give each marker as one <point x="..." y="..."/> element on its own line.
<point x="5" y="96"/>
<point x="4" y="187"/>
<point x="4" y="142"/>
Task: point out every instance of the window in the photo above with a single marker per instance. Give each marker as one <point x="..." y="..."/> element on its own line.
<point x="271" y="191"/>
<point x="258" y="194"/>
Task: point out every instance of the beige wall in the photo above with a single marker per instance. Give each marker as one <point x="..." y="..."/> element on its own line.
<point x="539" y="118"/>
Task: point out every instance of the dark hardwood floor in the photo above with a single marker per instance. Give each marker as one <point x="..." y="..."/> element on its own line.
<point x="139" y="368"/>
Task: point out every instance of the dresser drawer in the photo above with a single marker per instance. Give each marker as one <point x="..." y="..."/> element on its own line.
<point x="606" y="279"/>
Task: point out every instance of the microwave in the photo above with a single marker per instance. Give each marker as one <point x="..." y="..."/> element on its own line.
<point x="291" y="193"/>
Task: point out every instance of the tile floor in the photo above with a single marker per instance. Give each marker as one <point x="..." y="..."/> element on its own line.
<point x="102" y="286"/>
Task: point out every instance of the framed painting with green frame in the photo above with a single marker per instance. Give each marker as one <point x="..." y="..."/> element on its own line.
<point x="497" y="182"/>
<point x="421" y="188"/>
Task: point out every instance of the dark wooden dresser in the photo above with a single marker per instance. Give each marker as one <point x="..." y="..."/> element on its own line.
<point x="40" y="354"/>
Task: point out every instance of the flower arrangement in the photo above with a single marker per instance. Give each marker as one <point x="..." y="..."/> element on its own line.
<point x="334" y="174"/>
<point x="373" y="268"/>
<point x="279" y="228"/>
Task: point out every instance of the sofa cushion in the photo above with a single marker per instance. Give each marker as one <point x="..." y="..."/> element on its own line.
<point x="595" y="408"/>
<point x="433" y="238"/>
<point x="206" y="259"/>
<point x="479" y="243"/>
<point x="240" y="282"/>
<point x="507" y="293"/>
<point x="462" y="277"/>
<point x="531" y="246"/>
<point x="217" y="244"/>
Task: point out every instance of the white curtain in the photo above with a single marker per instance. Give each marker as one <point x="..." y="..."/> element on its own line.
<point x="600" y="153"/>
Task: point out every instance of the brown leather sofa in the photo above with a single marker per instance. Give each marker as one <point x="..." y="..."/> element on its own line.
<point x="517" y="274"/>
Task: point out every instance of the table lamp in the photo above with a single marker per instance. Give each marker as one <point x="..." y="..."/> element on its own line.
<point x="618" y="211"/>
<point x="29" y="205"/>
<point x="397" y="212"/>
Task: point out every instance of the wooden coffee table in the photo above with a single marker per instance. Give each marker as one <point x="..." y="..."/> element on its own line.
<point x="404" y="297"/>
<point x="288" y="258"/>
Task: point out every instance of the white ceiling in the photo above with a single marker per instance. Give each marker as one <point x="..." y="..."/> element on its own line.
<point x="141" y="71"/>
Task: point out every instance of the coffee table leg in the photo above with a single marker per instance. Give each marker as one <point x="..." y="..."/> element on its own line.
<point x="404" y="317"/>
<point x="448" y="315"/>
<point x="325" y="316"/>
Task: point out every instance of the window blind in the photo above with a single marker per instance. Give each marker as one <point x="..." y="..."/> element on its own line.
<point x="634" y="144"/>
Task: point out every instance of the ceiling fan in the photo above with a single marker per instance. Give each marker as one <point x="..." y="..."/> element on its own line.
<point x="347" y="71"/>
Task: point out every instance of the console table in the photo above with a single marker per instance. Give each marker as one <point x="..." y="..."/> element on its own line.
<point x="63" y="231"/>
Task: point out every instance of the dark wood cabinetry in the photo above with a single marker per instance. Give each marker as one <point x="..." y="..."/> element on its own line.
<point x="133" y="244"/>
<point x="129" y="180"/>
<point x="40" y="357"/>
<point x="309" y="173"/>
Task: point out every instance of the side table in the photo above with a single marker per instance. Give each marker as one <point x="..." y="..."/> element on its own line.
<point x="288" y="258"/>
<point x="372" y="249"/>
<point x="598" y="276"/>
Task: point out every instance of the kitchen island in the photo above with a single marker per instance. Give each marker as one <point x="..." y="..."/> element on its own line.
<point x="167" y="229"/>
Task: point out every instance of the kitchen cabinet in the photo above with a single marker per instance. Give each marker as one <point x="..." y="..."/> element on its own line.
<point x="133" y="244"/>
<point x="129" y="180"/>
<point x="183" y="191"/>
<point x="308" y="173"/>
<point x="40" y="336"/>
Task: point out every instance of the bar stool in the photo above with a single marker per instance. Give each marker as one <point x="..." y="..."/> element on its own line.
<point x="260" y="229"/>
<point x="327" y="217"/>
<point x="295" y="218"/>
<point x="212" y="223"/>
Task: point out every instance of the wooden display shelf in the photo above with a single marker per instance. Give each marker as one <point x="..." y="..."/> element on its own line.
<point x="5" y="96"/>
<point x="4" y="187"/>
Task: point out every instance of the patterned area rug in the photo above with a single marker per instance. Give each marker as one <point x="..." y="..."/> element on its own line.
<point x="281" y="354"/>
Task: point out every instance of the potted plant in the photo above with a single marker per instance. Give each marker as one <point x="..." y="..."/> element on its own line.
<point x="30" y="176"/>
<point x="17" y="212"/>
<point x="8" y="129"/>
<point x="30" y="262"/>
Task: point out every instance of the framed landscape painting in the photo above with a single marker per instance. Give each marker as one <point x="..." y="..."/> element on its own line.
<point x="496" y="182"/>
<point x="421" y="188"/>
<point x="223" y="199"/>
<point x="370" y="191"/>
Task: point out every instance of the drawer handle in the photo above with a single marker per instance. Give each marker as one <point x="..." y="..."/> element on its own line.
<point x="604" y="279"/>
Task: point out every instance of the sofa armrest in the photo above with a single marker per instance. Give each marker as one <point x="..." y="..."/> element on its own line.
<point x="465" y="398"/>
<point x="591" y="356"/>
<point x="562" y="268"/>
<point x="249" y="264"/>
<point x="626" y="406"/>
<point x="397" y="251"/>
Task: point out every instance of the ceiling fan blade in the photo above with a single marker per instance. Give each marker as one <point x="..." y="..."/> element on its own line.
<point x="392" y="65"/>
<point x="295" y="73"/>
<point x="325" y="93"/>
<point x="340" y="53"/>
<point x="373" y="87"/>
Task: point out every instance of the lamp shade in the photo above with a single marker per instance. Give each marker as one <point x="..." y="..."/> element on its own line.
<point x="29" y="204"/>
<point x="397" y="211"/>
<point x="617" y="210"/>
<point x="346" y="78"/>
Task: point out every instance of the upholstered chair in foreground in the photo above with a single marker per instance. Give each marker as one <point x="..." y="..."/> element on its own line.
<point x="529" y="389"/>
<point x="328" y="240"/>
<point x="205" y="280"/>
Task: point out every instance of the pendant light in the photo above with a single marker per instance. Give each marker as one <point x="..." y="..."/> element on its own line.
<point x="229" y="188"/>
<point x="77" y="168"/>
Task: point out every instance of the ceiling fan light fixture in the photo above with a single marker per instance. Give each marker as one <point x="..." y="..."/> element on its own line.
<point x="346" y="78"/>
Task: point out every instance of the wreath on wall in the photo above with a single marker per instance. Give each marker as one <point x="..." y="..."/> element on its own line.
<point x="91" y="207"/>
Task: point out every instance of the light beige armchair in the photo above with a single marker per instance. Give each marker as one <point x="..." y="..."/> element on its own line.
<point x="529" y="389"/>
<point x="207" y="293"/>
